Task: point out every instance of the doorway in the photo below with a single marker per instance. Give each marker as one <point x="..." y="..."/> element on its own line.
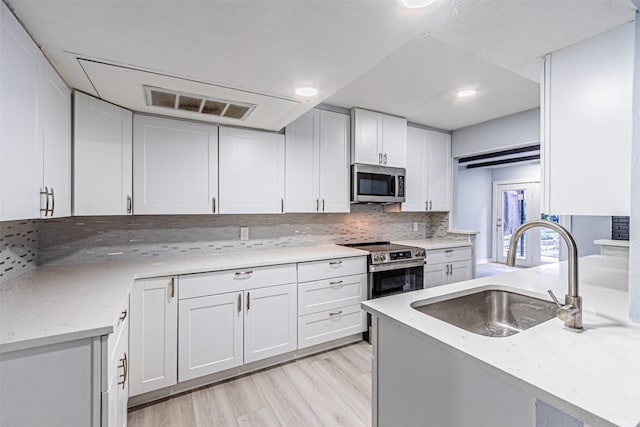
<point x="514" y="204"/>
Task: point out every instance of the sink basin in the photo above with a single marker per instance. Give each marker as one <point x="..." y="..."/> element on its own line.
<point x="492" y="313"/>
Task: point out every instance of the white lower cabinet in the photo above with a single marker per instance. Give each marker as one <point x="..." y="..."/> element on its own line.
<point x="210" y="335"/>
<point x="153" y="335"/>
<point x="329" y="301"/>
<point x="270" y="322"/>
<point x="445" y="266"/>
<point x="220" y="331"/>
<point x="115" y="398"/>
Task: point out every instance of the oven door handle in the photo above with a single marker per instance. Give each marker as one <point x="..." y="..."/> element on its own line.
<point x="396" y="266"/>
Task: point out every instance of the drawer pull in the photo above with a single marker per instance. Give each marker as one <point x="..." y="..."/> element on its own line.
<point x="125" y="367"/>
<point x="335" y="313"/>
<point x="244" y="274"/>
<point x="123" y="315"/>
<point x="335" y="262"/>
<point x="338" y="283"/>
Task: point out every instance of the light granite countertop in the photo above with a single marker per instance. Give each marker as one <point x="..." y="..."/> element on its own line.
<point x="593" y="376"/>
<point x="53" y="304"/>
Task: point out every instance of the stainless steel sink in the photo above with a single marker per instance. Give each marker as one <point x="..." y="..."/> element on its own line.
<point x="492" y="313"/>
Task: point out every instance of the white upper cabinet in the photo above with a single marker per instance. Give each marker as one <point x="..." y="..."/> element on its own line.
<point x="378" y="139"/>
<point x="317" y="163"/>
<point x="428" y="181"/>
<point x="587" y="126"/>
<point x="175" y="166"/>
<point x="251" y="171"/>
<point x="20" y="126"/>
<point x="35" y="137"/>
<point x="102" y="151"/>
<point x="56" y="127"/>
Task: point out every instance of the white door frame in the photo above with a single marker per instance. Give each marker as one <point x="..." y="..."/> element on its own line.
<point x="494" y="225"/>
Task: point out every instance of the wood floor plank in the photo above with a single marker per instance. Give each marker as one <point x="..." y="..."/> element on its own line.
<point x="213" y="407"/>
<point x="282" y="396"/>
<point x="327" y="389"/>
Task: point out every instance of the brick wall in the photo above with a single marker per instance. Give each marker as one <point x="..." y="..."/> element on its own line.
<point x="619" y="228"/>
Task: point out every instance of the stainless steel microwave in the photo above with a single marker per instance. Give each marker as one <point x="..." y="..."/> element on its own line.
<point x="377" y="184"/>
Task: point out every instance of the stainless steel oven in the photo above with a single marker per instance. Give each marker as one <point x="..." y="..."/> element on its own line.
<point x="393" y="269"/>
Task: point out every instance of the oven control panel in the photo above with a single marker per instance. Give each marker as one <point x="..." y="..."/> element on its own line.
<point x="398" y="256"/>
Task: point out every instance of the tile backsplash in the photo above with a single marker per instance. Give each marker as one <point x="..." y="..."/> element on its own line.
<point x="18" y="247"/>
<point x="88" y="239"/>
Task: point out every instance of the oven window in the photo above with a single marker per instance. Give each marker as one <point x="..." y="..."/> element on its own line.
<point x="392" y="282"/>
<point x="374" y="184"/>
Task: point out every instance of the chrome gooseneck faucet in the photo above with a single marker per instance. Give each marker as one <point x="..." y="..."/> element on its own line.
<point x="571" y="310"/>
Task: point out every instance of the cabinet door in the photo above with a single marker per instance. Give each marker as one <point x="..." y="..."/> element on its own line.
<point x="435" y="275"/>
<point x="439" y="171"/>
<point x="302" y="163"/>
<point x="56" y="123"/>
<point x="459" y="271"/>
<point x="367" y="131"/>
<point x="270" y="324"/>
<point x="175" y="166"/>
<point x="153" y="335"/>
<point x="20" y="127"/>
<point x="210" y="336"/>
<point x="251" y="171"/>
<point x="416" y="198"/>
<point x="102" y="157"/>
<point x="394" y="141"/>
<point x="588" y="123"/>
<point x="334" y="162"/>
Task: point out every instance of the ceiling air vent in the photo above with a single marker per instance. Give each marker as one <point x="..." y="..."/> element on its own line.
<point x="165" y="98"/>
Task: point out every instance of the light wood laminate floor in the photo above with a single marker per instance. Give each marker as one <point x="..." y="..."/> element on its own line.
<point x="328" y="389"/>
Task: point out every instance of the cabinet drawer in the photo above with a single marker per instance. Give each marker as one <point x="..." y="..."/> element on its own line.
<point x="327" y="294"/>
<point x="448" y="255"/>
<point x="327" y="269"/>
<point x="203" y="284"/>
<point x="329" y="325"/>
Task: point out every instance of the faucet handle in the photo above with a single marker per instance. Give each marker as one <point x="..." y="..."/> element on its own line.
<point x="553" y="297"/>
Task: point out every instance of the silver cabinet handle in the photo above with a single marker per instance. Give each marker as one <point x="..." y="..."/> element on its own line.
<point x="430" y="205"/>
<point x="335" y="313"/>
<point x="213" y="204"/>
<point x="335" y="262"/>
<point x="282" y="205"/>
<point x="317" y="205"/>
<point x="173" y="287"/>
<point x="426" y="205"/>
<point x="446" y="269"/>
<point x="53" y="202"/>
<point x="322" y="205"/>
<point x="338" y="283"/>
<point x="239" y="303"/>
<point x="243" y="274"/>
<point x="248" y="301"/>
<point x="123" y="315"/>
<point x="379" y="158"/>
<point x="124" y="364"/>
<point x="385" y="158"/>
<point x="129" y="205"/>
<point x="45" y="193"/>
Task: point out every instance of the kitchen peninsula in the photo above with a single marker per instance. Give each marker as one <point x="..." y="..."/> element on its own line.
<point x="428" y="372"/>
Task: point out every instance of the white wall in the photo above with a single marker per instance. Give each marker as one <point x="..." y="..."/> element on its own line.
<point x="634" y="256"/>
<point x="514" y="130"/>
<point x="474" y="207"/>
<point x="586" y="229"/>
<point x="523" y="172"/>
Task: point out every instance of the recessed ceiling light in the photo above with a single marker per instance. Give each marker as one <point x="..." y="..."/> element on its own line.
<point x="416" y="4"/>
<point x="307" y="91"/>
<point x="466" y="93"/>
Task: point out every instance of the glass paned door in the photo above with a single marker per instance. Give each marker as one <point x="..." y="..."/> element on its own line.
<point x="517" y="204"/>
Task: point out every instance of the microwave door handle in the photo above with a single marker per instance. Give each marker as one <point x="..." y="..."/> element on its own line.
<point x="397" y="181"/>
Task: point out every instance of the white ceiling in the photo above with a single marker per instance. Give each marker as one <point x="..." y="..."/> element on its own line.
<point x="368" y="53"/>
